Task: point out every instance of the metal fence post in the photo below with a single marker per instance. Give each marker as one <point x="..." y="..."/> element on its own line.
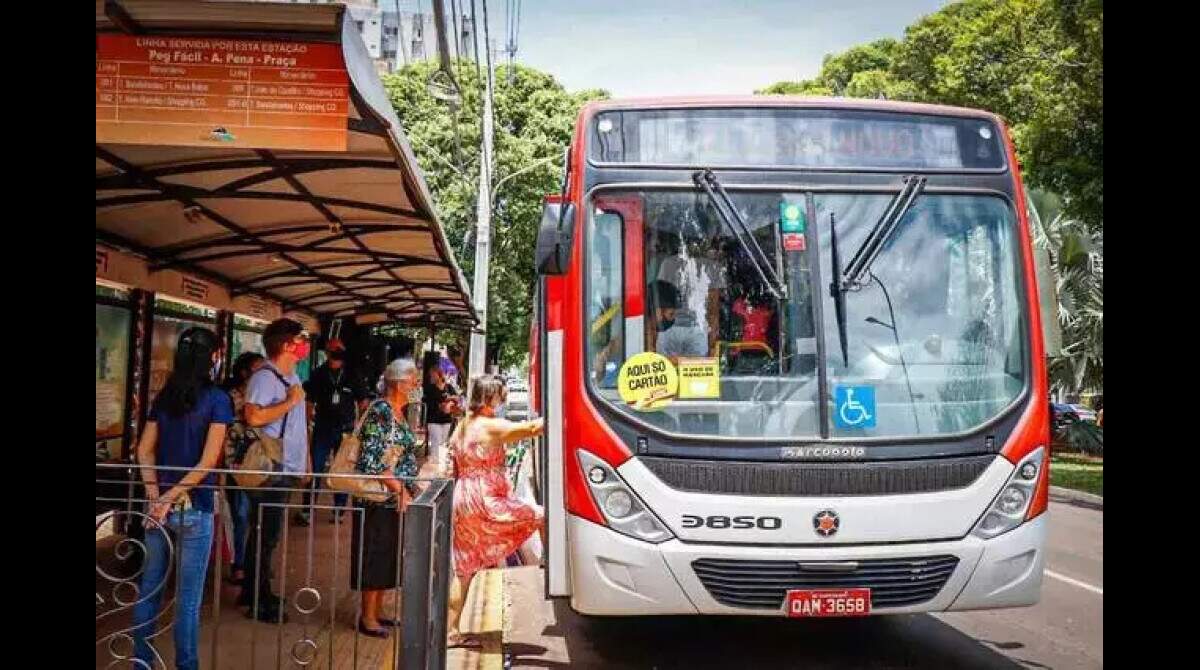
<point x="426" y="556"/>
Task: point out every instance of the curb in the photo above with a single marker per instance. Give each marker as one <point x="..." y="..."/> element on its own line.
<point x="1060" y="494"/>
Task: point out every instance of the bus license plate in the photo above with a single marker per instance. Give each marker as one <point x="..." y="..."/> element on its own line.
<point x="828" y="602"/>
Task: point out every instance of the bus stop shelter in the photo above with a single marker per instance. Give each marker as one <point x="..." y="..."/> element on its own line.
<point x="249" y="165"/>
<point x="253" y="145"/>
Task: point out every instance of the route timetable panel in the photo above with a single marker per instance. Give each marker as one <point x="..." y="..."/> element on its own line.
<point x="221" y="92"/>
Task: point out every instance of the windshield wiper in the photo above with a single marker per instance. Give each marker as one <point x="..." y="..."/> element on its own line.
<point x="707" y="181"/>
<point x="835" y="289"/>
<point x="881" y="232"/>
<point x="868" y="251"/>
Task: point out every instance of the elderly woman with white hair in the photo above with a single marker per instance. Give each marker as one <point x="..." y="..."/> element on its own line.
<point x="387" y="446"/>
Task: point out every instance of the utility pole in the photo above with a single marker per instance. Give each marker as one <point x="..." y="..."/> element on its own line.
<point x="483" y="230"/>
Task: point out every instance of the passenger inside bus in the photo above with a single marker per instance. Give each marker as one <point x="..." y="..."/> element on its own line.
<point x="752" y="328"/>
<point x="754" y="314"/>
<point x="681" y="335"/>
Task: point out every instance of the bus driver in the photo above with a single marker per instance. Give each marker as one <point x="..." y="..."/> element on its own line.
<point x="680" y="335"/>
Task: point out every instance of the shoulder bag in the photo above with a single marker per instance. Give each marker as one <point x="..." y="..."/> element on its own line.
<point x="252" y="452"/>
<point x="345" y="464"/>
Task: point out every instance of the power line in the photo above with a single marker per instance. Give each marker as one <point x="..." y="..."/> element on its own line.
<point x="475" y="37"/>
<point x="455" y="22"/>
<point x="487" y="49"/>
<point x="512" y="13"/>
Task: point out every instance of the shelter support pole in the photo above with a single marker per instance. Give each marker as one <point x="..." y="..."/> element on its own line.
<point x="483" y="233"/>
<point x="138" y="387"/>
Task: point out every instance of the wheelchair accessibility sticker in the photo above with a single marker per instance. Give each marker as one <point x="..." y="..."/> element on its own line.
<point x="854" y="406"/>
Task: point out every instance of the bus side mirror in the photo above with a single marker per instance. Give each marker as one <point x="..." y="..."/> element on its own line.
<point x="554" y="244"/>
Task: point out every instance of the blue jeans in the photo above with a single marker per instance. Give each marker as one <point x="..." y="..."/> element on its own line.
<point x="192" y="532"/>
<point x="239" y="509"/>
<point x="324" y="445"/>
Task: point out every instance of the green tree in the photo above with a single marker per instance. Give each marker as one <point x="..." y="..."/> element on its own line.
<point x="1077" y="262"/>
<point x="805" y="87"/>
<point x="837" y="71"/>
<point x="879" y="84"/>
<point x="535" y="117"/>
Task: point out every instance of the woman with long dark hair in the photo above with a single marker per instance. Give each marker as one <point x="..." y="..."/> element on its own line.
<point x="239" y="505"/>
<point x="185" y="429"/>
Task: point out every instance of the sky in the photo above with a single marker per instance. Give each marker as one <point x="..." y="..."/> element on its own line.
<point x="680" y="47"/>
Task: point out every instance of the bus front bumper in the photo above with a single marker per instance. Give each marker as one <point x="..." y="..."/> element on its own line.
<point x="612" y="574"/>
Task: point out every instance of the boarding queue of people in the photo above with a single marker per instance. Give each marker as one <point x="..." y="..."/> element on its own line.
<point x="264" y="410"/>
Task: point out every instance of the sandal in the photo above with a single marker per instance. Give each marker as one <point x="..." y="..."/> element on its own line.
<point x="463" y="641"/>
<point x="372" y="632"/>
<point x="388" y="622"/>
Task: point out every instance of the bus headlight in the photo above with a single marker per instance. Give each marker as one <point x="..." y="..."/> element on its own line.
<point x="622" y="509"/>
<point x="1008" y="510"/>
<point x="1012" y="500"/>
<point x="618" y="504"/>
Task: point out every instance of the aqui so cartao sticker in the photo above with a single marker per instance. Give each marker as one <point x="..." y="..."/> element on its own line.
<point x="854" y="406"/>
<point x="647" y="381"/>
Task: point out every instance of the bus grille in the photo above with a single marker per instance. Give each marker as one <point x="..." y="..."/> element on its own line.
<point x="819" y="479"/>
<point x="894" y="582"/>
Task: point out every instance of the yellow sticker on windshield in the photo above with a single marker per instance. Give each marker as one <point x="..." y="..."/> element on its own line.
<point x="647" y="381"/>
<point x="699" y="378"/>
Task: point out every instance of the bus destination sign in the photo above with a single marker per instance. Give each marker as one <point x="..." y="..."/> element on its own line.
<point x="797" y="137"/>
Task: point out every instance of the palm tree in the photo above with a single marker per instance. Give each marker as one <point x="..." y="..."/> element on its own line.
<point x="1077" y="260"/>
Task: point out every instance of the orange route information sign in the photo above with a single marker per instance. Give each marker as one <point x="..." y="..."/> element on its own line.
<point x="221" y="92"/>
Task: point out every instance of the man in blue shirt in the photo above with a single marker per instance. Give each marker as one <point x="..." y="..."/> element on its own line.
<point x="275" y="406"/>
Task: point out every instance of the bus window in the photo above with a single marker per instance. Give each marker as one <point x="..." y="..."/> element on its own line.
<point x="605" y="318"/>
<point x="705" y="300"/>
<point x="935" y="331"/>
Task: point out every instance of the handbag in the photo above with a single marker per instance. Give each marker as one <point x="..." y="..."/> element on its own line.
<point x="345" y="462"/>
<point x="255" y="453"/>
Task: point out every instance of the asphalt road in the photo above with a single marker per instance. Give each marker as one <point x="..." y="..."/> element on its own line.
<point x="1064" y="631"/>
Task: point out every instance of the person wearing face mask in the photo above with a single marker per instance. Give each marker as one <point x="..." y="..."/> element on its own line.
<point x="275" y="405"/>
<point x="490" y="521"/>
<point x="331" y="395"/>
<point x="679" y="333"/>
<point x="185" y="429"/>
<point x="387" y="447"/>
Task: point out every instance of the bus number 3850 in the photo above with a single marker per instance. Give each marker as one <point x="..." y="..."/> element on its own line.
<point x="740" y="522"/>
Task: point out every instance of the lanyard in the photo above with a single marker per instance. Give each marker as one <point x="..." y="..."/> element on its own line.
<point x="336" y="383"/>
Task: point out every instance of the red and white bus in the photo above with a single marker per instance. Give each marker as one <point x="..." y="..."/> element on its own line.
<point x="790" y="357"/>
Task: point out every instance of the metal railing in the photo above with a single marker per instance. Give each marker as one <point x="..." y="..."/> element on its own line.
<point x="317" y="624"/>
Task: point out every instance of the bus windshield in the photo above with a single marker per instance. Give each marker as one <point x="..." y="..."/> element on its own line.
<point x="935" y="339"/>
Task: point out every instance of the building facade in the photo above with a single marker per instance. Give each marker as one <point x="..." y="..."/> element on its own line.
<point x="398" y="32"/>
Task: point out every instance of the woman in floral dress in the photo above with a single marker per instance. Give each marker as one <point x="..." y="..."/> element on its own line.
<point x="387" y="446"/>
<point x="490" y="522"/>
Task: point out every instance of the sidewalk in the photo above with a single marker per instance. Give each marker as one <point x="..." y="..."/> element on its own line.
<point x="1063" y="494"/>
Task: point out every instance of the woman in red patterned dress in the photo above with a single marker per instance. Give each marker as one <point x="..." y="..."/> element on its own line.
<point x="490" y="522"/>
